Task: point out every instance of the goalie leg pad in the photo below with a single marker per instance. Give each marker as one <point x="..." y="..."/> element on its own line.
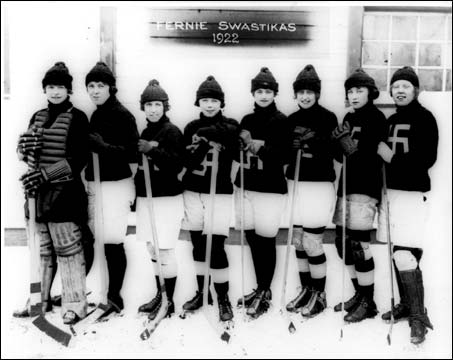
<point x="405" y="260"/>
<point x="67" y="238"/>
<point x="72" y="270"/>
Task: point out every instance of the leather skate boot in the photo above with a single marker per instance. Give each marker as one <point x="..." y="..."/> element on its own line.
<point x="365" y="308"/>
<point x="299" y="301"/>
<point x="350" y="304"/>
<point x="260" y="304"/>
<point x="315" y="305"/>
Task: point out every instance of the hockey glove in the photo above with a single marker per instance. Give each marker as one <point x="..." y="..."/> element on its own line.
<point x="245" y="139"/>
<point x="146" y="146"/>
<point x="342" y="134"/>
<point x="97" y="143"/>
<point x="55" y="173"/>
<point x="300" y="136"/>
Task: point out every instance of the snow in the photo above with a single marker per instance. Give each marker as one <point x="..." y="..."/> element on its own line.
<point x="266" y="337"/>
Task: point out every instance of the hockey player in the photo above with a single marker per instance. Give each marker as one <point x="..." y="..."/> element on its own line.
<point x="264" y="137"/>
<point x="113" y="136"/>
<point x="211" y="130"/>
<point x="56" y="149"/>
<point x="312" y="126"/>
<point x="162" y="143"/>
<point x="358" y="138"/>
<point x="410" y="150"/>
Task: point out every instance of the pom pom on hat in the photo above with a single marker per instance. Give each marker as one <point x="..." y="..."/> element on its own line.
<point x="153" y="92"/>
<point x="264" y="80"/>
<point x="210" y="88"/>
<point x="58" y="75"/>
<point x="100" y="73"/>
<point x="359" y="78"/>
<point x="307" y="79"/>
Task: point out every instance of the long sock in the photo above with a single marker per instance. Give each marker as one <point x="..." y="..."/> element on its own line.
<point x="221" y="288"/>
<point x="256" y="254"/>
<point x="269" y="260"/>
<point x="304" y="269"/>
<point x="365" y="274"/>
<point x="116" y="264"/>
<point x="318" y="268"/>
<point x="170" y="284"/>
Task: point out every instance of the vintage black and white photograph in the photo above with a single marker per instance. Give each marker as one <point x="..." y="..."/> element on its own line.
<point x="226" y="179"/>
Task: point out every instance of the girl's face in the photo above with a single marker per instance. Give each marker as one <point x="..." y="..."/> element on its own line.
<point x="56" y="94"/>
<point x="264" y="97"/>
<point x="403" y="92"/>
<point x="98" y="91"/>
<point x="306" y="98"/>
<point x="209" y="106"/>
<point x="358" y="96"/>
<point x="154" y="110"/>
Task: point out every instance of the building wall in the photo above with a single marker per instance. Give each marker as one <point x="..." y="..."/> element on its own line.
<point x="45" y="34"/>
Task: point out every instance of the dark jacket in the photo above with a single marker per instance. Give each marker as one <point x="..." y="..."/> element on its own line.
<point x="117" y="127"/>
<point x="264" y="172"/>
<point x="198" y="163"/>
<point x="364" y="167"/>
<point x="317" y="157"/>
<point x="414" y="138"/>
<point x="165" y="161"/>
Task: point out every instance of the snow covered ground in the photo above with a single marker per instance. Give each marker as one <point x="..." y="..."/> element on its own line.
<point x="266" y="337"/>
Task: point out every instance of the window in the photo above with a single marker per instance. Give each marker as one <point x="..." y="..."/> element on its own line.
<point x="418" y="39"/>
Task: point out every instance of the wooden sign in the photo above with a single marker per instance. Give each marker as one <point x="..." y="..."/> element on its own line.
<point x="240" y="27"/>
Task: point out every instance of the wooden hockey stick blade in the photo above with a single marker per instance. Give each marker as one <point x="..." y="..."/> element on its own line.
<point x="152" y="325"/>
<point x="51" y="330"/>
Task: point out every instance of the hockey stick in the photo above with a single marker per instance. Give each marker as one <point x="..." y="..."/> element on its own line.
<point x="99" y="234"/>
<point x="152" y="325"/>
<point x="224" y="335"/>
<point x="291" y="327"/>
<point x="390" y="253"/>
<point x="35" y="278"/>
<point x="343" y="243"/>
<point x="241" y="174"/>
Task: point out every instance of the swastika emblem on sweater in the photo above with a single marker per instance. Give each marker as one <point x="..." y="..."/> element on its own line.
<point x="207" y="161"/>
<point x="253" y="162"/>
<point x="395" y="139"/>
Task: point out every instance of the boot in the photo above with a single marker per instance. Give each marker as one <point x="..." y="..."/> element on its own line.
<point x="315" y="305"/>
<point x="248" y="299"/>
<point x="350" y="304"/>
<point x="365" y="308"/>
<point x="412" y="282"/>
<point x="225" y="310"/>
<point x="170" y="309"/>
<point x="24" y="313"/>
<point x="260" y="304"/>
<point x="400" y="312"/>
<point x="152" y="305"/>
<point x="197" y="302"/>
<point x="299" y="301"/>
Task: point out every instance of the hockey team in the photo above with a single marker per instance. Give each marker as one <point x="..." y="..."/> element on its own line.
<point x="195" y="182"/>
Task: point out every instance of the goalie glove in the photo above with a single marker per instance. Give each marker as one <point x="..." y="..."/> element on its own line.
<point x="54" y="174"/>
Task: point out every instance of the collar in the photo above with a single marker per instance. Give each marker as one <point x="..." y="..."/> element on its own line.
<point x="270" y="109"/>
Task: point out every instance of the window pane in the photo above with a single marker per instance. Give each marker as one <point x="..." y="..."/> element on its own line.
<point x="403" y="54"/>
<point x="449" y="56"/>
<point x="375" y="27"/>
<point x="448" y="84"/>
<point x="430" y="55"/>
<point x="430" y="80"/>
<point x="374" y="53"/>
<point x="380" y="76"/>
<point x="432" y="27"/>
<point x="404" y="28"/>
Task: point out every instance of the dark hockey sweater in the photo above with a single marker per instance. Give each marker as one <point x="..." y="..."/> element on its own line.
<point x="317" y="158"/>
<point x="66" y="202"/>
<point x="166" y="159"/>
<point x="264" y="172"/>
<point x="364" y="167"/>
<point x="117" y="127"/>
<point x="198" y="163"/>
<point x="414" y="137"/>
